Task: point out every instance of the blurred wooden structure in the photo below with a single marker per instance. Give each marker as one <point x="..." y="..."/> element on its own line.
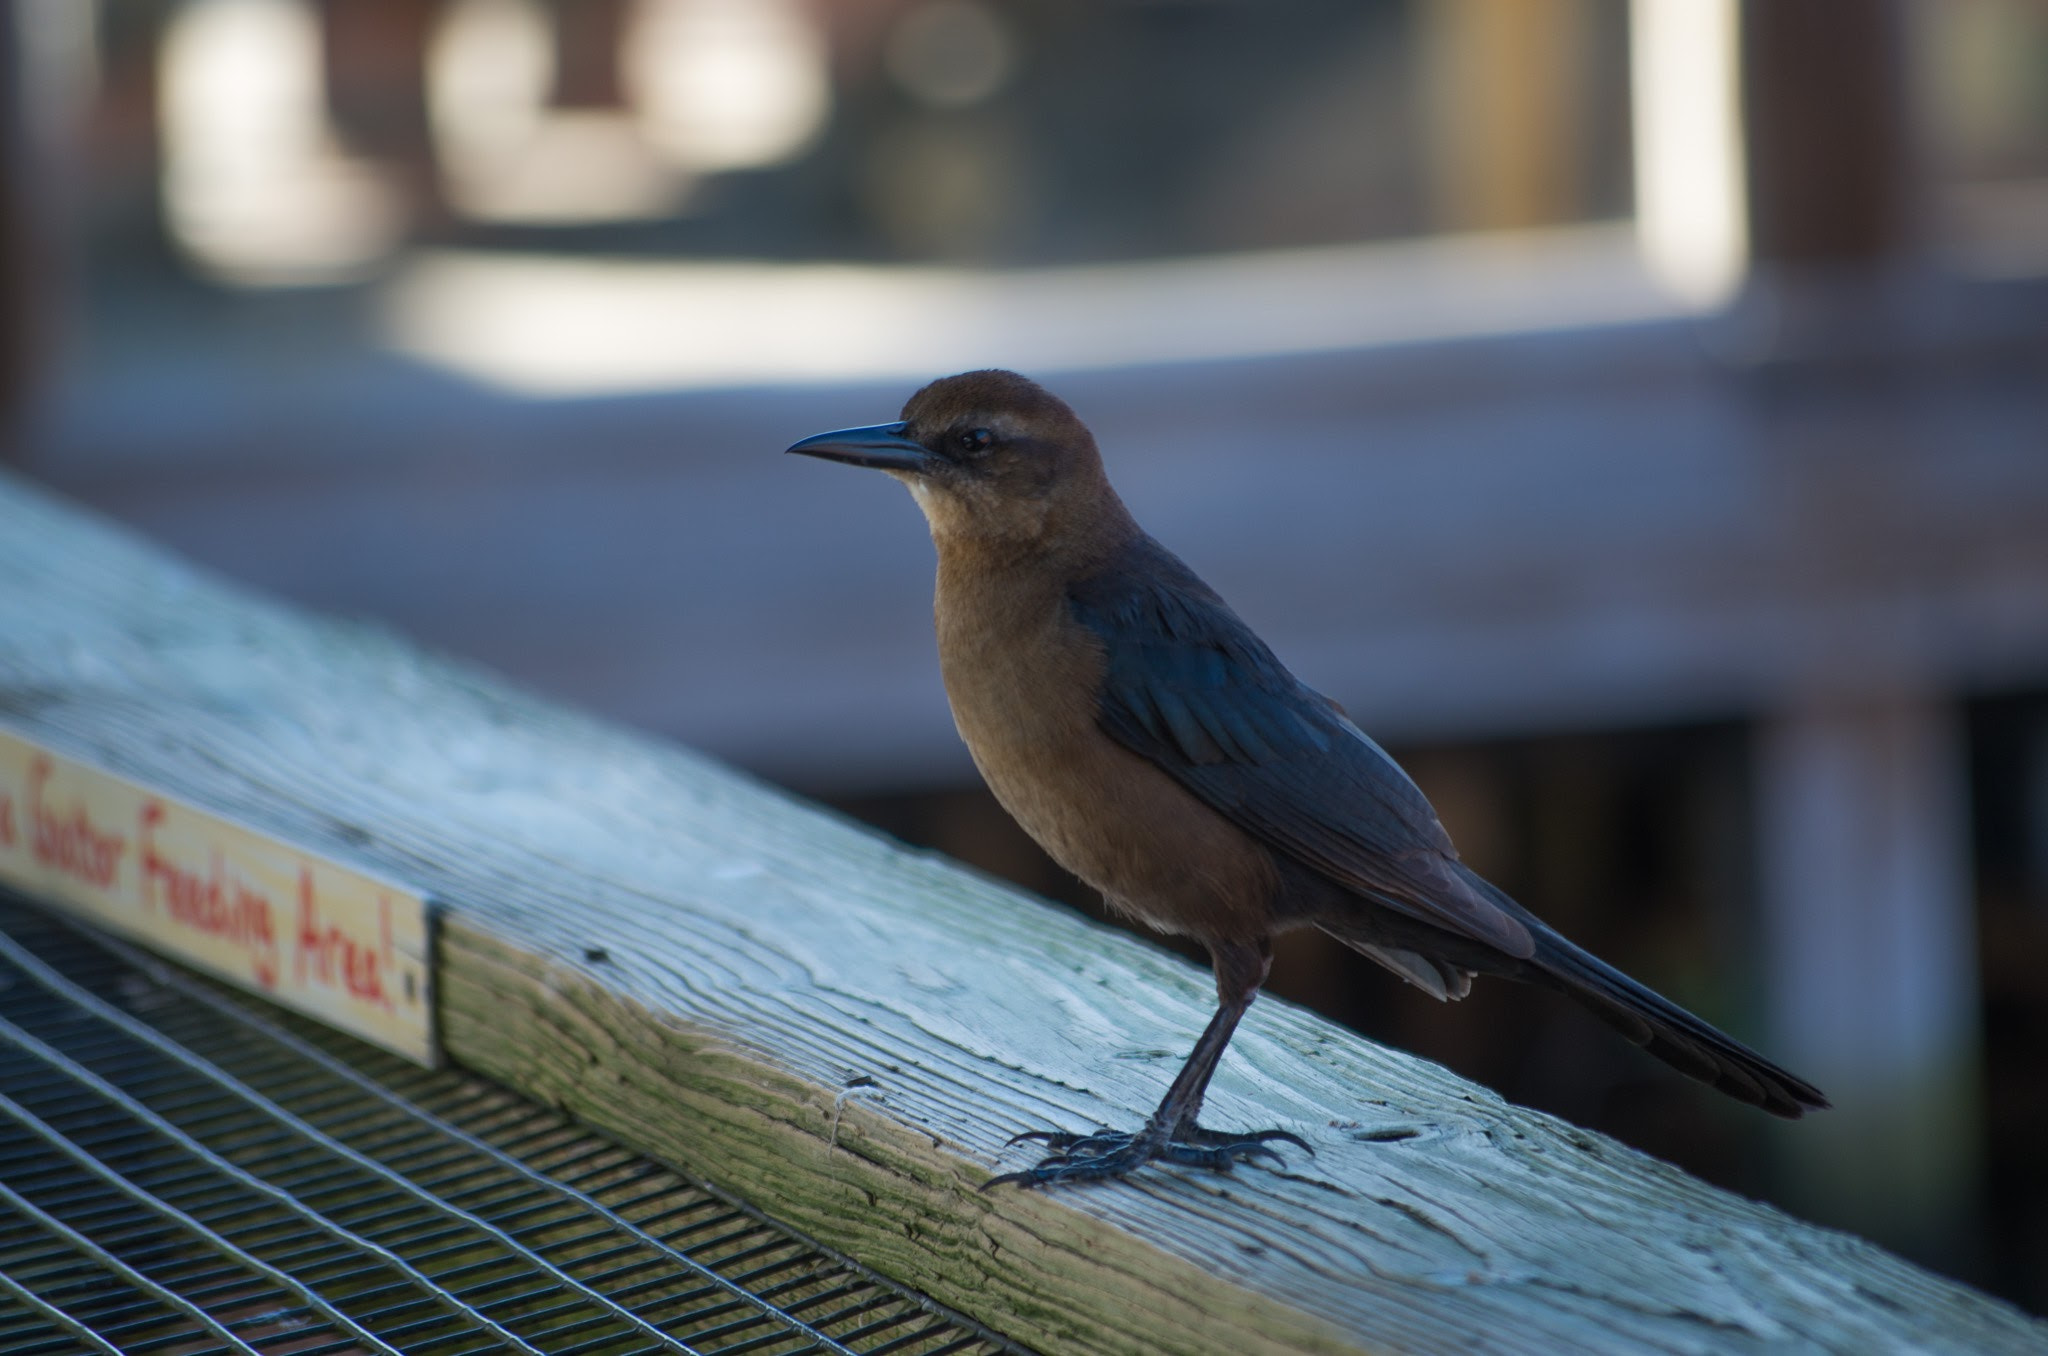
<point x="20" y="353"/>
<point x="844" y="1033"/>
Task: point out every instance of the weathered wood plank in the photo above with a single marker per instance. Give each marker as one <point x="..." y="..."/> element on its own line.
<point x="845" y="1032"/>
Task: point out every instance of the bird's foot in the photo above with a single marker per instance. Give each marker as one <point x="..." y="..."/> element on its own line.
<point x="1112" y="1153"/>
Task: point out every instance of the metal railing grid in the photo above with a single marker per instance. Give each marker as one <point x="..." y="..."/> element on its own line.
<point x="188" y="1172"/>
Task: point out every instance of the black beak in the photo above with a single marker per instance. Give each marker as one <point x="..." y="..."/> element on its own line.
<point x="881" y="446"/>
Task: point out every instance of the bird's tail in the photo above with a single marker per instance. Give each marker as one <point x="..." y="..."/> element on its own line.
<point x="1667" y="1030"/>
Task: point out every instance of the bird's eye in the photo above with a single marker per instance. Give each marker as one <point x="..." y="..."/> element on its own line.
<point x="975" y="440"/>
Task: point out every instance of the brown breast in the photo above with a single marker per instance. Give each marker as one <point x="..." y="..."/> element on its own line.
<point x="1022" y="678"/>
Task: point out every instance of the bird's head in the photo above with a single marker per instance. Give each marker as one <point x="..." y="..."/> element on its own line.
<point x="987" y="455"/>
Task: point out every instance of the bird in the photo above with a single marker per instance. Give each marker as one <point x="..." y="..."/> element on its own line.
<point x="1156" y="748"/>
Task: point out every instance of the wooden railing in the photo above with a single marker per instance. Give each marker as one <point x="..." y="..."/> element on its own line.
<point x="845" y="1033"/>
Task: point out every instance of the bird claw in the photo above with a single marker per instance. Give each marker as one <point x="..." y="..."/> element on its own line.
<point x="1064" y="1142"/>
<point x="1054" y="1139"/>
<point x="1112" y="1153"/>
<point x="1259" y="1139"/>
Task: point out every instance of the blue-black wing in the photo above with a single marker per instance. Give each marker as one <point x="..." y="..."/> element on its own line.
<point x="1189" y="687"/>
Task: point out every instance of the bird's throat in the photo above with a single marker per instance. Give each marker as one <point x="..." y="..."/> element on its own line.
<point x="972" y="518"/>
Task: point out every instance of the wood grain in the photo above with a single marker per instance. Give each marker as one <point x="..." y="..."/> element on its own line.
<point x="845" y="1033"/>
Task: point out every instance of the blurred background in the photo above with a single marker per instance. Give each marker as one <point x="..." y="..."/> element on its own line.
<point x="1636" y="413"/>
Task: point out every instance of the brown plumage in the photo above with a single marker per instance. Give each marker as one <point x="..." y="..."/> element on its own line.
<point x="1153" y="745"/>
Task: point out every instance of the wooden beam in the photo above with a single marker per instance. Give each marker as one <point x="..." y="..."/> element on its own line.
<point x="845" y="1033"/>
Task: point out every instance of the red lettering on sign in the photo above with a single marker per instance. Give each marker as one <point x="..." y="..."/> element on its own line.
<point x="6" y="821"/>
<point x="217" y="903"/>
<point x="329" y="956"/>
<point x="71" y="843"/>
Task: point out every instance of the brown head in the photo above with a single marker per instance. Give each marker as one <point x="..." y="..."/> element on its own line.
<point x="991" y="457"/>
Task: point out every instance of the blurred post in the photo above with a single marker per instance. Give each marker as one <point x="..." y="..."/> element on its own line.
<point x="21" y="302"/>
<point x="1501" y="84"/>
<point x="1831" y="167"/>
<point x="1687" y="119"/>
<point x="588" y="37"/>
<point x="1863" y="798"/>
<point x="1864" y="836"/>
<point x="374" y="58"/>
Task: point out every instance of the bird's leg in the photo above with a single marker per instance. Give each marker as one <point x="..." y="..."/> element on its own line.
<point x="1171" y="1132"/>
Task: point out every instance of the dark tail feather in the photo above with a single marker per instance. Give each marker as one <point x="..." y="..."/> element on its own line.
<point x="1670" y="1032"/>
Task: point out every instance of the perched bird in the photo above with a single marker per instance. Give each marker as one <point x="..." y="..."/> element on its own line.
<point x="1155" y="748"/>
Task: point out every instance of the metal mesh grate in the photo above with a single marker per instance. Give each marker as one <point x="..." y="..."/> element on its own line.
<point x="183" y="1172"/>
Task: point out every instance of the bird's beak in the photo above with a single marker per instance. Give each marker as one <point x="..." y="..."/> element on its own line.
<point x="881" y="446"/>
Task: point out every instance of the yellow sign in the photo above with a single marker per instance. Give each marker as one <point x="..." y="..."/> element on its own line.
<point x="337" y="945"/>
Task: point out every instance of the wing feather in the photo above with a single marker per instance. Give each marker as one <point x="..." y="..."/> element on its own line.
<point x="1189" y="687"/>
